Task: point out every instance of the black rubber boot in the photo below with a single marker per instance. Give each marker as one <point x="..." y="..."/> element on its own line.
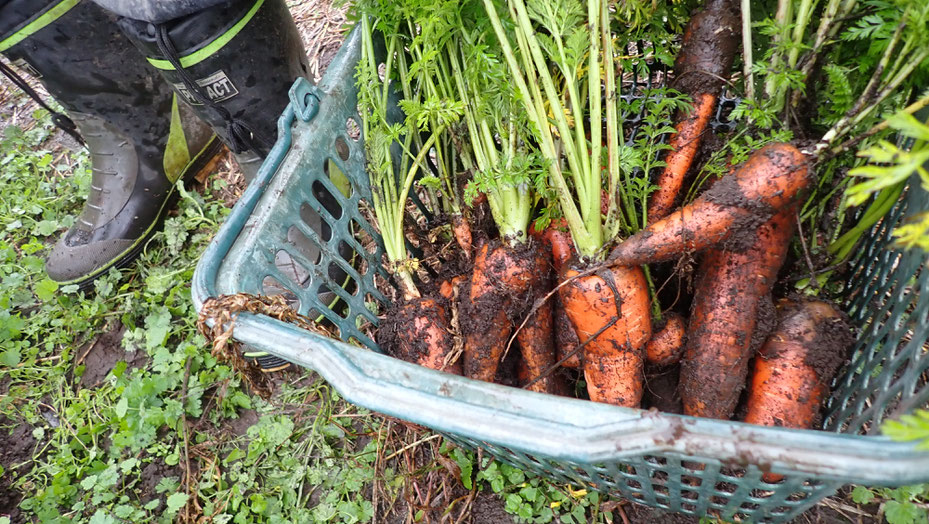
<point x="234" y="63"/>
<point x="140" y="138"/>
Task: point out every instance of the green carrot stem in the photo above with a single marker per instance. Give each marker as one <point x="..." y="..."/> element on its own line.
<point x="538" y="119"/>
<point x="591" y="208"/>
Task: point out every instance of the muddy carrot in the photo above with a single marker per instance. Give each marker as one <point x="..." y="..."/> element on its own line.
<point x="611" y="309"/>
<point x="566" y="340"/>
<point x="461" y="229"/>
<point x="502" y="280"/>
<point x="536" y="343"/>
<point x="417" y="331"/>
<point x="667" y="344"/>
<point x="791" y="373"/>
<point x="771" y="179"/>
<point x="729" y="291"/>
<point x="701" y="68"/>
<point x="684" y="145"/>
<point x="558" y="241"/>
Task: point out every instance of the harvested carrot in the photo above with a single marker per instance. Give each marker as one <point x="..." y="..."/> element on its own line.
<point x="771" y="179"/>
<point x="557" y="240"/>
<point x="610" y="312"/>
<point x="417" y="331"/>
<point x="502" y="280"/>
<point x="667" y="344"/>
<point x="792" y="371"/>
<point x="702" y="66"/>
<point x="447" y="287"/>
<point x="536" y="342"/>
<point x="730" y="288"/>
<point x="684" y="145"/>
<point x="462" y="232"/>
<point x="566" y="340"/>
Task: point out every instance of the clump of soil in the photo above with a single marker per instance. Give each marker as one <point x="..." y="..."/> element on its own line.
<point x="101" y="355"/>
<point x="486" y="508"/>
<point x="661" y="391"/>
<point x="151" y="476"/>
<point x="17" y="447"/>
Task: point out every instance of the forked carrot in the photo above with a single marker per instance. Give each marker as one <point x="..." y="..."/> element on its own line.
<point x="566" y="340"/>
<point x="502" y="279"/>
<point x="610" y="311"/>
<point x="558" y="241"/>
<point x="536" y="342"/>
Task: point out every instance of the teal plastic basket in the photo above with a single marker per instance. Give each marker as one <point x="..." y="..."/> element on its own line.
<point x="285" y="235"/>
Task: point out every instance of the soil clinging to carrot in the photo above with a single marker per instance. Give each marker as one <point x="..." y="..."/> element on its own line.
<point x="709" y="48"/>
<point x="404" y="335"/>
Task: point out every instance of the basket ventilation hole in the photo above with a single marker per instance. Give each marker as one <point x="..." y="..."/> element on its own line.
<point x="326" y="199"/>
<point x="363" y="238"/>
<point x="338" y="276"/>
<point x="313" y="219"/>
<point x="373" y="304"/>
<point x="272" y="286"/>
<point x="335" y="173"/>
<point x="341" y="148"/>
<point x="294" y="271"/>
<point x="303" y="245"/>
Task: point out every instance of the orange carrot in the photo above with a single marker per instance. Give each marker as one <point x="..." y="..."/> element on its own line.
<point x="771" y="179"/>
<point x="566" y="340"/>
<point x="447" y="287"/>
<point x="793" y="369"/>
<point x="684" y="144"/>
<point x="462" y="232"/>
<point x="702" y="66"/>
<point x="667" y="344"/>
<point x="729" y="291"/>
<point x="502" y="279"/>
<point x="536" y="342"/>
<point x="610" y="312"/>
<point x="417" y="331"/>
<point x="558" y="241"/>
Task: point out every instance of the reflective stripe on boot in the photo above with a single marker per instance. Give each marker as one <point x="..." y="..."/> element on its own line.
<point x="233" y="63"/>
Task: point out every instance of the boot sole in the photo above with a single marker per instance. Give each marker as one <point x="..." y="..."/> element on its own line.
<point x="205" y="161"/>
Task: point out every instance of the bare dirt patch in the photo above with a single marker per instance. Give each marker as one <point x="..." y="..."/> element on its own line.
<point x="102" y="354"/>
<point x="17" y="446"/>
